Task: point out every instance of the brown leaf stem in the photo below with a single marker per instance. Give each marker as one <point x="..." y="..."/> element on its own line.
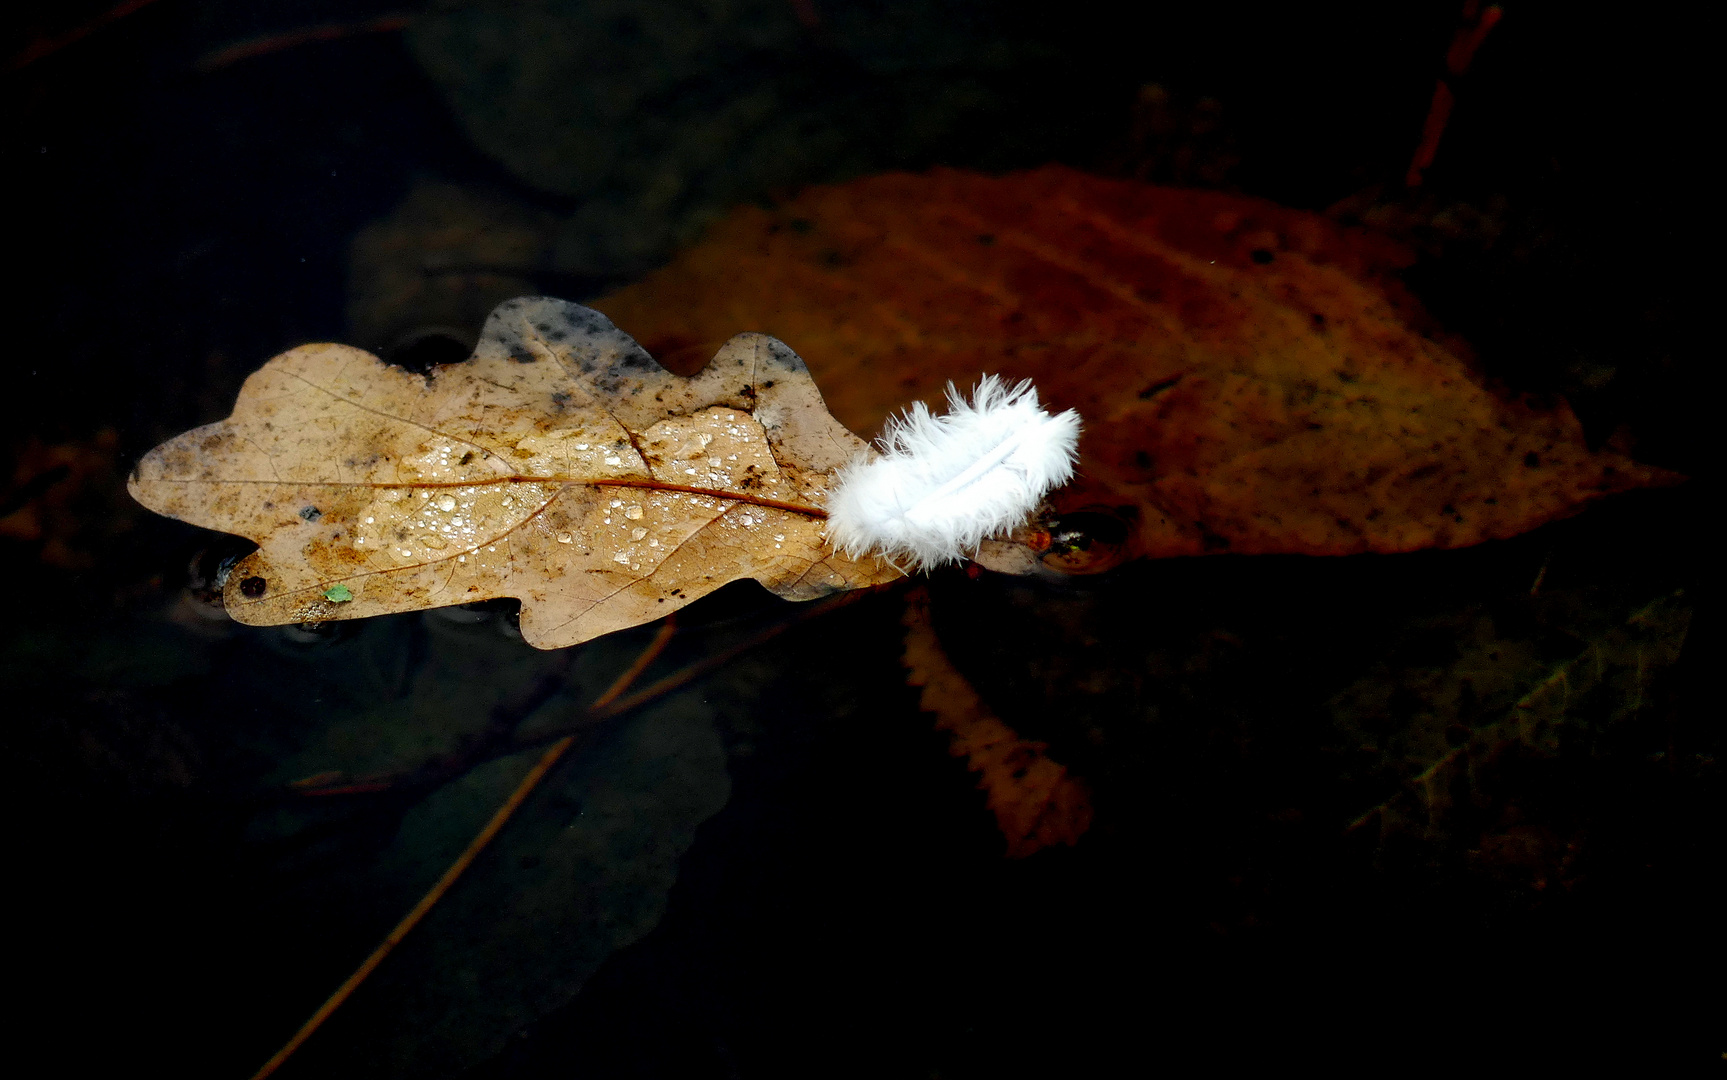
<point x="627" y="482"/>
<point x="753" y="500"/>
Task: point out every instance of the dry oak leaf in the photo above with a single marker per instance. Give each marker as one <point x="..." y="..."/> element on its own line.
<point x="1253" y="378"/>
<point x="1036" y="803"/>
<point x="560" y="465"/>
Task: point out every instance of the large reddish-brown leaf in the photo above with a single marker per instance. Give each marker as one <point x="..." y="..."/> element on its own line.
<point x="1252" y="378"/>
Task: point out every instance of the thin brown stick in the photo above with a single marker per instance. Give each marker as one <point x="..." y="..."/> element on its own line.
<point x="623" y="682"/>
<point x="690" y="673"/>
<point x="1470" y="34"/>
<point x="590" y="719"/>
<point x="305" y="35"/>
<point x="44" y="46"/>
<point x="465" y="859"/>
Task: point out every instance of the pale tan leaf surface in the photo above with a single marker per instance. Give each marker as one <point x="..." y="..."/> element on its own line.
<point x="561" y="465"/>
<point x="1036" y="802"/>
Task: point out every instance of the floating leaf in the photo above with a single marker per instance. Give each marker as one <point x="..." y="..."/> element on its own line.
<point x="560" y="465"/>
<point x="1036" y="803"/>
<point x="1253" y="379"/>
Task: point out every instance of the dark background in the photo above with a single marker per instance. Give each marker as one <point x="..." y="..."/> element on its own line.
<point x="180" y="214"/>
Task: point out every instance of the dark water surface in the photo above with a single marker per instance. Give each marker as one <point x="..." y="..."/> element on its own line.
<point x="779" y="870"/>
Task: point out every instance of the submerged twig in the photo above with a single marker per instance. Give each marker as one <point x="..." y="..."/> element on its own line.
<point x="544" y="688"/>
<point x="498" y="742"/>
<point x="598" y="713"/>
<point x="45" y="45"/>
<point x="1476" y="24"/>
<point x="305" y="35"/>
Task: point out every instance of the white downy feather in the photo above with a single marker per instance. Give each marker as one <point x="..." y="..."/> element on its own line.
<point x="943" y="484"/>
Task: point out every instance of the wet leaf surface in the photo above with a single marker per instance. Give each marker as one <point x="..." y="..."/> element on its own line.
<point x="561" y="465"/>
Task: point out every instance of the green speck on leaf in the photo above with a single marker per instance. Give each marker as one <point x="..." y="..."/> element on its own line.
<point x="338" y="594"/>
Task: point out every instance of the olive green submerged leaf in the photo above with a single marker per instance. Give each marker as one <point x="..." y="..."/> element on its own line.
<point x="660" y="116"/>
<point x="1425" y="731"/>
<point x="584" y="868"/>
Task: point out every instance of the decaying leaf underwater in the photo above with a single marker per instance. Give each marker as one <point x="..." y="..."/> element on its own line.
<point x="1254" y="379"/>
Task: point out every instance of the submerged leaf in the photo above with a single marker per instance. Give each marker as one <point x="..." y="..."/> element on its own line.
<point x="1253" y="379"/>
<point x="1499" y="693"/>
<point x="1036" y="802"/>
<point x="560" y="465"/>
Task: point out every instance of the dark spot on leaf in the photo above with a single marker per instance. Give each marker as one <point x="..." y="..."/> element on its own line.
<point x="1157" y="388"/>
<point x="986" y="239"/>
<point x="310" y="513"/>
<point x="253" y="587"/>
<point x="800" y="225"/>
<point x="467" y="457"/>
<point x="1260" y="256"/>
<point x="421" y="350"/>
<point x="1405" y="703"/>
<point x="1532" y="460"/>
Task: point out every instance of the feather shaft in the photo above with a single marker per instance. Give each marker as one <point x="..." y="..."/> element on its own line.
<point x="930" y="504"/>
